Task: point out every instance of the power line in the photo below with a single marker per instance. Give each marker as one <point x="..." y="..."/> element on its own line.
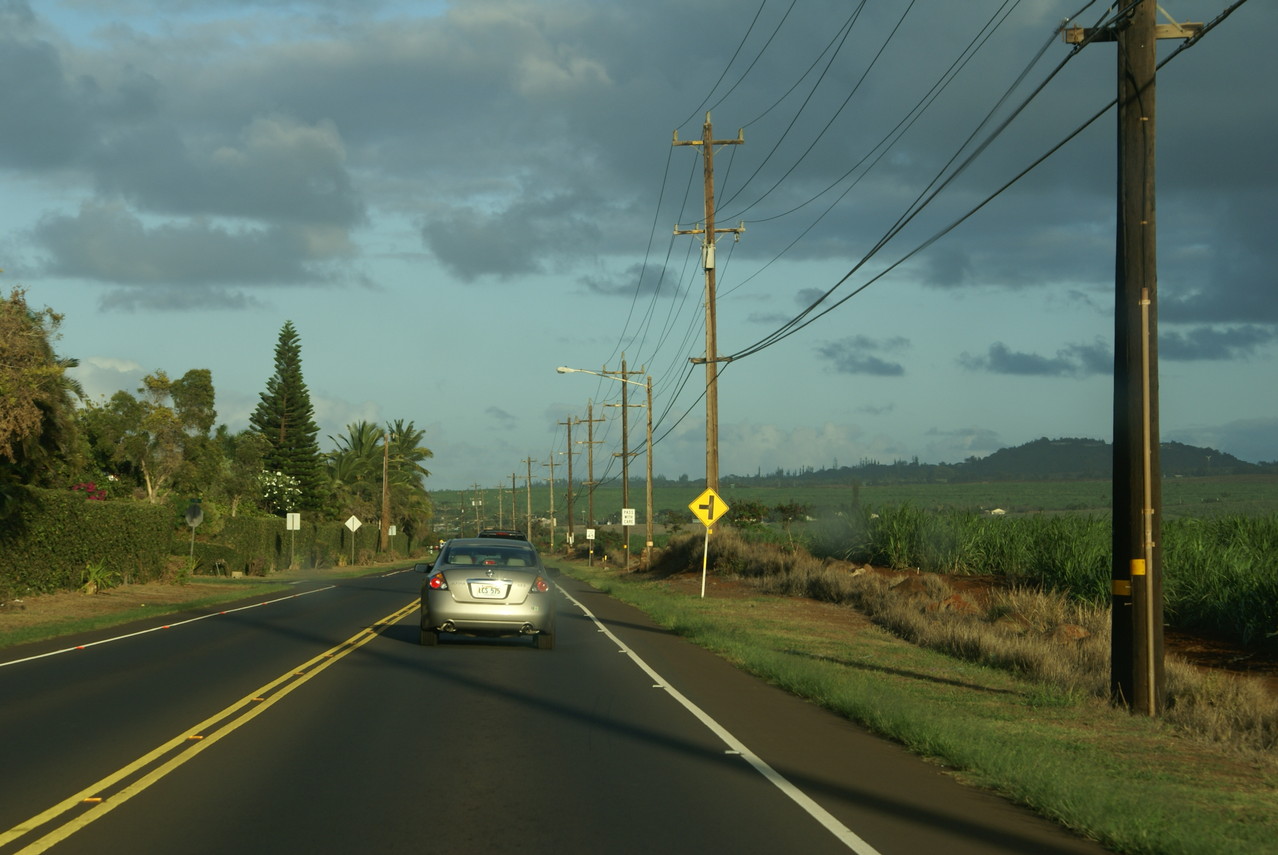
<point x="798" y="322"/>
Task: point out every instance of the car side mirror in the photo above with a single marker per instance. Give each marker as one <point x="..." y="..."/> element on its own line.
<point x="422" y="567"/>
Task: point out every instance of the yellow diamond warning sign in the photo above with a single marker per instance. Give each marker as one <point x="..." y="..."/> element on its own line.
<point x="708" y="507"/>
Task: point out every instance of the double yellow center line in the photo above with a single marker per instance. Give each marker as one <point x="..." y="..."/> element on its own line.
<point x="103" y="796"/>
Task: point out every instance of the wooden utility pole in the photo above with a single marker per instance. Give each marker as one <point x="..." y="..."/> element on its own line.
<point x="512" y="505"/>
<point x="528" y="489"/>
<point x="708" y="143"/>
<point x="551" y="464"/>
<point x="385" y="527"/>
<point x="477" y="502"/>
<point x="590" y="444"/>
<point x="647" y="552"/>
<point x="1137" y="677"/>
<point x="625" y="449"/>
<point x="569" y="452"/>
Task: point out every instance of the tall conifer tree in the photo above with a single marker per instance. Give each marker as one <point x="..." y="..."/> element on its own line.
<point x="286" y="418"/>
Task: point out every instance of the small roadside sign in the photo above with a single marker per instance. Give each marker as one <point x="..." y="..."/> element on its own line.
<point x="627" y="516"/>
<point x="292" y="522"/>
<point x="708" y="507"/>
<point x="353" y="523"/>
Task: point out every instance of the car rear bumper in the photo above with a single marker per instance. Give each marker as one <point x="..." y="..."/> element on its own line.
<point x="443" y="613"/>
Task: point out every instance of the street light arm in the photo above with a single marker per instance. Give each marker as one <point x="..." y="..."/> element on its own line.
<point x="564" y="369"/>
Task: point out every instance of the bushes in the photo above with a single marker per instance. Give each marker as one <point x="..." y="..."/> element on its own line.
<point x="60" y="532"/>
<point x="1220" y="574"/>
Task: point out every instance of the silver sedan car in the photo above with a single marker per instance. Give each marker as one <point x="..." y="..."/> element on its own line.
<point x="487" y="586"/>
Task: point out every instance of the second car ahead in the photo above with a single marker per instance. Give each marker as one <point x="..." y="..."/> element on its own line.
<point x="488" y="586"/>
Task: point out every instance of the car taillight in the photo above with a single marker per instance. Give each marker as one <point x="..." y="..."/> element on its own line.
<point x="437" y="582"/>
<point x="540" y="585"/>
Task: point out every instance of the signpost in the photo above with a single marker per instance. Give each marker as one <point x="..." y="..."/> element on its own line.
<point x="708" y="508"/>
<point x="194" y="516"/>
<point x="590" y="542"/>
<point x="353" y="524"/>
<point x="292" y="524"/>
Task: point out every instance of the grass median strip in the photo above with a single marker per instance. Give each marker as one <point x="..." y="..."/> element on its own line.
<point x="1126" y="781"/>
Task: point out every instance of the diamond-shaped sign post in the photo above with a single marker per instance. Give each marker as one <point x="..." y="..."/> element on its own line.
<point x="353" y="524"/>
<point x="707" y="507"/>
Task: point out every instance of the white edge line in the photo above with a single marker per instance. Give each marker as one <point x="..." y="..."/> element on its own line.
<point x="802" y="799"/>
<point x="162" y="626"/>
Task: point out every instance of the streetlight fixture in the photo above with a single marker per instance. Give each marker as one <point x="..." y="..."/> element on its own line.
<point x="647" y="384"/>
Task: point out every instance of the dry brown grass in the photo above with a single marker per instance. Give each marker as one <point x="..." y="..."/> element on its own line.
<point x="1043" y="637"/>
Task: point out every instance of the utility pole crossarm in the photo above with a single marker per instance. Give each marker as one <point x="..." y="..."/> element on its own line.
<point x="740" y="138"/>
<point x="737" y="230"/>
<point x="1083" y="35"/>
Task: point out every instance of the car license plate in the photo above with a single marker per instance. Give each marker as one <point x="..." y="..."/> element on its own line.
<point x="487" y="590"/>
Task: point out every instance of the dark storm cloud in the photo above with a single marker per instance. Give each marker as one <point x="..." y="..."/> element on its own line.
<point x="634" y="280"/>
<point x="529" y="236"/>
<point x="1222" y="269"/>
<point x="108" y="243"/>
<point x="274" y="169"/>
<point x="856" y="355"/>
<point x="1072" y="361"/>
<point x="1212" y="343"/>
<point x="47" y="117"/>
<point x="534" y="138"/>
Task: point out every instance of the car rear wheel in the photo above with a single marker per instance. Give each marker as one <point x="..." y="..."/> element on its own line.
<point x="545" y="641"/>
<point x="430" y="637"/>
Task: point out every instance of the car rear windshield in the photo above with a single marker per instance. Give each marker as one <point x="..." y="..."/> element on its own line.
<point x="490" y="555"/>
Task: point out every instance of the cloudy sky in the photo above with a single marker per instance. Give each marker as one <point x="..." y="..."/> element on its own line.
<point x="450" y="199"/>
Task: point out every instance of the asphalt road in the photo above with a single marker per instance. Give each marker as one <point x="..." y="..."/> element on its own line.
<point x="316" y="723"/>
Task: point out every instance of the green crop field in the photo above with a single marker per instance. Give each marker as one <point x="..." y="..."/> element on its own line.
<point x="1246" y="495"/>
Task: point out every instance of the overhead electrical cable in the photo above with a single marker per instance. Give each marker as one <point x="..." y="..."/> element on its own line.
<point x="844" y="32"/>
<point x="821" y="134"/>
<point x="757" y="56"/>
<point x="894" y="135"/>
<point x="735" y="54"/>
<point x="795" y="325"/>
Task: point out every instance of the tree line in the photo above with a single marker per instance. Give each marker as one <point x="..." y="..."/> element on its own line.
<point x="163" y="440"/>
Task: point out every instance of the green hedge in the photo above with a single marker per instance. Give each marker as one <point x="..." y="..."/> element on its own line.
<point x="59" y="532"/>
<point x="257" y="546"/>
<point x="53" y="538"/>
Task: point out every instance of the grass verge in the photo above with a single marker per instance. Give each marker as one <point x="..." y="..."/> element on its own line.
<point x="45" y="616"/>
<point x="1131" y="783"/>
<point x="45" y="628"/>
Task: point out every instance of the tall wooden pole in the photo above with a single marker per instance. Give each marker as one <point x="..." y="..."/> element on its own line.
<point x="385" y="532"/>
<point x="647" y="552"/>
<point x="1137" y="676"/>
<point x="571" y="535"/>
<point x="1137" y="573"/>
<point x="708" y="143"/>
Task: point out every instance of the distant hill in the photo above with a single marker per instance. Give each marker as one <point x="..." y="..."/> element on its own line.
<point x="1063" y="459"/>
<point x="1043" y="459"/>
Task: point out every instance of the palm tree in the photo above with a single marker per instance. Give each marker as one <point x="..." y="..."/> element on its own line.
<point x="355" y="471"/>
